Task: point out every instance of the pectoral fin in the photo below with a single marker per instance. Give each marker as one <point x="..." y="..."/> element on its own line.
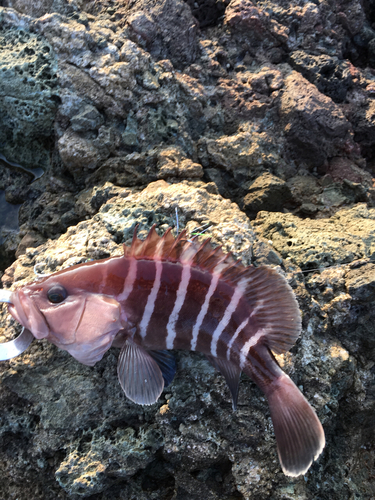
<point x="231" y="373"/>
<point x="139" y="374"/>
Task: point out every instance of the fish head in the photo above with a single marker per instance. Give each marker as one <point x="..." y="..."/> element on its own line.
<point x="72" y="316"/>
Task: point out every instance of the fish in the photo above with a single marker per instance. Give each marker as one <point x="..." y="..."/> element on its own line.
<point x="167" y="293"/>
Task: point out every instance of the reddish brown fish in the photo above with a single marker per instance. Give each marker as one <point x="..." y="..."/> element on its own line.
<point x="168" y="293"/>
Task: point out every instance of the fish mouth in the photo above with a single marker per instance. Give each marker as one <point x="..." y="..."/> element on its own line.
<point x="23" y="310"/>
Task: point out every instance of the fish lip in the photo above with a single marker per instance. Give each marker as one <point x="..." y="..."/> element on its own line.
<point x="24" y="310"/>
<point x="16" y="310"/>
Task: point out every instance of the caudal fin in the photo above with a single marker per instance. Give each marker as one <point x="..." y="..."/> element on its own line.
<point x="299" y="434"/>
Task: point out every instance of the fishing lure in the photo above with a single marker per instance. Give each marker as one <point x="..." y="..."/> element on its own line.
<point x="169" y="293"/>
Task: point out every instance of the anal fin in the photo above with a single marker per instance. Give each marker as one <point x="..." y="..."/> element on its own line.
<point x="139" y="374"/>
<point x="231" y="373"/>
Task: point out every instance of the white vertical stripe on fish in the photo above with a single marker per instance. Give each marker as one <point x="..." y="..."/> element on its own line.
<point x="204" y="308"/>
<point x="179" y="302"/>
<point x="129" y="281"/>
<point x="231" y="307"/>
<point x="235" y="335"/>
<point x="250" y="343"/>
<point x="150" y="305"/>
<point x="240" y="328"/>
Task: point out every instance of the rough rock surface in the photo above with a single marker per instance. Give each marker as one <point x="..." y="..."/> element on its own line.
<point x="28" y="96"/>
<point x="267" y="192"/>
<point x="137" y="108"/>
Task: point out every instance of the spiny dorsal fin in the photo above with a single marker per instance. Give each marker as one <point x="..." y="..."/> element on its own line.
<point x="172" y="249"/>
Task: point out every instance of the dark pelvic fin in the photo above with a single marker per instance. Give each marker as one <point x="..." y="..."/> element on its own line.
<point x="167" y="364"/>
<point x="274" y="308"/>
<point x="231" y="373"/>
<point x="299" y="434"/>
<point x="139" y="374"/>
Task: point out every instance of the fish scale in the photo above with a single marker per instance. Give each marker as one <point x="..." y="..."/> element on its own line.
<point x="174" y="293"/>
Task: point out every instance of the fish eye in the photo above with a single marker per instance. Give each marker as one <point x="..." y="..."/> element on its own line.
<point x="57" y="294"/>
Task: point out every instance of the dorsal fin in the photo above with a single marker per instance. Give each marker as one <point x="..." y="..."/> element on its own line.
<point x="169" y="248"/>
<point x="275" y="309"/>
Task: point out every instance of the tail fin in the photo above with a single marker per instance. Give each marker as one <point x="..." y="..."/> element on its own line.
<point x="299" y="434"/>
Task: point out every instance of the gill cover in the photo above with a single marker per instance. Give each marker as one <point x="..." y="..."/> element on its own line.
<point x="94" y="320"/>
<point x="80" y="322"/>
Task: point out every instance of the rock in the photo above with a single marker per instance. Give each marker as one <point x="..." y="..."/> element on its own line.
<point x="40" y="7"/>
<point x="267" y="192"/>
<point x="207" y="12"/>
<point x="28" y="96"/>
<point x="89" y="201"/>
<point x="130" y="134"/>
<point x="305" y="191"/>
<point x="361" y="283"/>
<point x="331" y="76"/>
<point x="80" y="154"/>
<point x="173" y="163"/>
<point x="88" y="118"/>
<point x="49" y="215"/>
<point x="267" y="80"/>
<point x="245" y="155"/>
<point x="31" y="239"/>
<point x="314" y="126"/>
<point x="240" y="102"/>
<point x="255" y="27"/>
<point x="93" y="472"/>
<point x="167" y="29"/>
<point x="131" y="170"/>
<point x="79" y="84"/>
<point x="334" y="190"/>
<point x="342" y="168"/>
<point x="349" y="235"/>
<point x="363" y="120"/>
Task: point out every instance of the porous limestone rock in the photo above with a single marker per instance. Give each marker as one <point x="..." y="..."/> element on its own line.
<point x="348" y="236"/>
<point x="28" y="96"/>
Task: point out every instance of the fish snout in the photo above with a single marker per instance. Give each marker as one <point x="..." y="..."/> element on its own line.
<point x="24" y="310"/>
